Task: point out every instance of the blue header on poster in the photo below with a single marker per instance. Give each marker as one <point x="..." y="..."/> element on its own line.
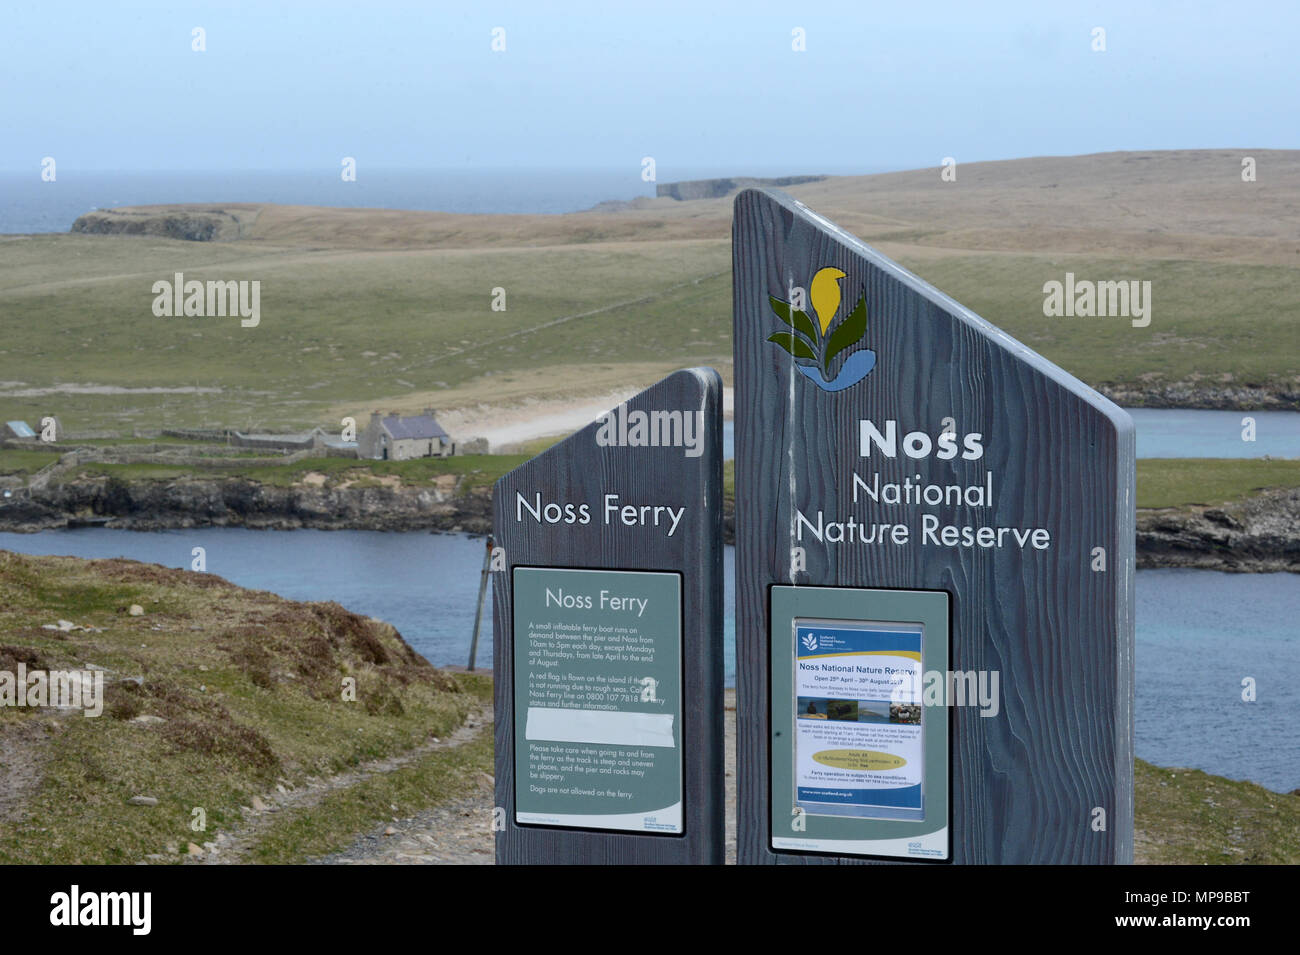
<point x="815" y="641"/>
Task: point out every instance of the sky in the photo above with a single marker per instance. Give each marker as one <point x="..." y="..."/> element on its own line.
<point x="291" y="86"/>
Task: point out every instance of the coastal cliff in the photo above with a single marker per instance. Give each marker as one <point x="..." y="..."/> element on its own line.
<point x="192" y="224"/>
<point x="717" y="188"/>
<point x="1260" y="534"/>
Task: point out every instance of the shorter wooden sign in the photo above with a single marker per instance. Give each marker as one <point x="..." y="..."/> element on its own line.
<point x="608" y="637"/>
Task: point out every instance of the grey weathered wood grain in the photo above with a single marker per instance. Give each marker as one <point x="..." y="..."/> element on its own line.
<point x="577" y="470"/>
<point x="1023" y="784"/>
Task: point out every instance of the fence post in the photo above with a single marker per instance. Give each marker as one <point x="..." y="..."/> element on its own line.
<point x="478" y="613"/>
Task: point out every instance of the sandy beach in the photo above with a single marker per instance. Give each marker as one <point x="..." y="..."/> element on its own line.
<point x="506" y="426"/>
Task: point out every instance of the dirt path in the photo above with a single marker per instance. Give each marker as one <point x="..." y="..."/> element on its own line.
<point x="232" y="847"/>
<point x="460" y="832"/>
<point x="22" y="763"/>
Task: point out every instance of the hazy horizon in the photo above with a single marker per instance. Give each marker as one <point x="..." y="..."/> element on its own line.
<point x="30" y="205"/>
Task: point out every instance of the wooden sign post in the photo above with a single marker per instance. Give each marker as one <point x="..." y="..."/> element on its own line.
<point x="935" y="560"/>
<point x="608" y="637"/>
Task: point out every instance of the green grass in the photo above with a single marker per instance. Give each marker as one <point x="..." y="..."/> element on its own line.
<point x="337" y="327"/>
<point x="351" y="327"/>
<point x="1174" y="482"/>
<point x="1208" y="318"/>
<point x="334" y="823"/>
<point x="143" y="471"/>
<point x="129" y="441"/>
<point x="1188" y="817"/>
<point x="38" y="263"/>
<point x="22" y="461"/>
<point x="249" y="686"/>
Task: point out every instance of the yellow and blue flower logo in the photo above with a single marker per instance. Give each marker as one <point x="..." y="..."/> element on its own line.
<point x="814" y="346"/>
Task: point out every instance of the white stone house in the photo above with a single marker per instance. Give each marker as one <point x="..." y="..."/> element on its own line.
<point x="397" y="438"/>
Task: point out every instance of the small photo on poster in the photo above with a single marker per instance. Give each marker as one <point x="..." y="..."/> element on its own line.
<point x="858" y="735"/>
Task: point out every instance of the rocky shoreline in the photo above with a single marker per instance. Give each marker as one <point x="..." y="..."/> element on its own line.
<point x="1206" y="397"/>
<point x="238" y="502"/>
<point x="1259" y="535"/>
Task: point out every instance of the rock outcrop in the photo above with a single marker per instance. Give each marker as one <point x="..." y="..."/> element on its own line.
<point x="717" y="188"/>
<point x="194" y="225"/>
<point x="236" y="502"/>
<point x="1260" y="534"/>
<point x="1221" y="397"/>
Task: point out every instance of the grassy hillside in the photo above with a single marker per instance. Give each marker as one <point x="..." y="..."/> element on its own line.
<point x="337" y="329"/>
<point x="1218" y="322"/>
<point x="371" y="308"/>
<point x="215" y="695"/>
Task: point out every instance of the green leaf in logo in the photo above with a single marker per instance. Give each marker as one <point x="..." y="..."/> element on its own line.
<point x="795" y="345"/>
<point x="848" y="333"/>
<point x="795" y="319"/>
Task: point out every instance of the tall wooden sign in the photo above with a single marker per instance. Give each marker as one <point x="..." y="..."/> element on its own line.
<point x="608" y="637"/>
<point x="935" y="560"/>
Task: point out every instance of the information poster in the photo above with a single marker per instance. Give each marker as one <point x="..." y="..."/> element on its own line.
<point x="597" y="676"/>
<point x="858" y="745"/>
<point x="859" y="761"/>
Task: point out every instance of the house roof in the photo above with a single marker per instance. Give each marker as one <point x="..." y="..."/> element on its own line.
<point x="416" y="426"/>
<point x="21" y="428"/>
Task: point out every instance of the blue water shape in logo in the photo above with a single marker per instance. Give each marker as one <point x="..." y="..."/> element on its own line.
<point x="855" y="368"/>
